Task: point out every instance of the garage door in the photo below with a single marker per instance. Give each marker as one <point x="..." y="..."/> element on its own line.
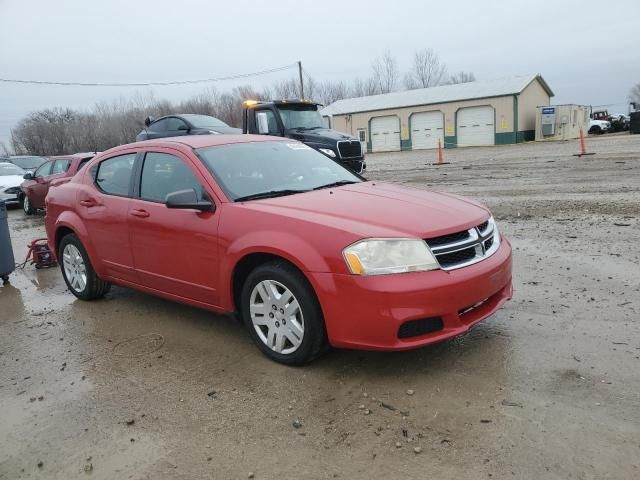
<point x="426" y="129"/>
<point x="475" y="126"/>
<point x="385" y="134"/>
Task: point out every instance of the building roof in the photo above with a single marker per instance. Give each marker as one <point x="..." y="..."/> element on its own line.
<point x="435" y="95"/>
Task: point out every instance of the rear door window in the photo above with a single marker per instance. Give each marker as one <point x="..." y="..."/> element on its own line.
<point x="60" y="166"/>
<point x="163" y="174"/>
<point x="160" y="125"/>
<point x="174" y="124"/>
<point x="113" y="175"/>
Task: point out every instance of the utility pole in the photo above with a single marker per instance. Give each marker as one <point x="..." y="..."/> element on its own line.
<point x="301" y="82"/>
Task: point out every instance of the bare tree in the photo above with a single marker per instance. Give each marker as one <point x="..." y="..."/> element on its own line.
<point x="461" y="77"/>
<point x="363" y="88"/>
<point x="427" y="70"/>
<point x="385" y="72"/>
<point x="329" y="92"/>
<point x="43" y="132"/>
<point x="4" y="151"/>
<point x="287" y="89"/>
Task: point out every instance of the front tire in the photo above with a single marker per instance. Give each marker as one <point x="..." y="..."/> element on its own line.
<point x="282" y="314"/>
<point x="77" y="271"/>
<point x="26" y="205"/>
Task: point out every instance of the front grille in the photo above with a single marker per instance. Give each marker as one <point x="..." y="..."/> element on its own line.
<point x="447" y="260"/>
<point x="415" y="328"/>
<point x="12" y="190"/>
<point x="466" y="247"/>
<point x="488" y="243"/>
<point x="350" y="149"/>
<point x="446" y="239"/>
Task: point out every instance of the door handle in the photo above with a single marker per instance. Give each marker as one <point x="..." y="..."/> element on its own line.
<point x="139" y="213"/>
<point x="90" y="202"/>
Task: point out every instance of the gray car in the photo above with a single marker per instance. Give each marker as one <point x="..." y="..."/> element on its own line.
<point x="183" y="124"/>
<point x="29" y="163"/>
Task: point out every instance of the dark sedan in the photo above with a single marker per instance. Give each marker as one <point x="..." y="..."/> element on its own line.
<point x="184" y="124"/>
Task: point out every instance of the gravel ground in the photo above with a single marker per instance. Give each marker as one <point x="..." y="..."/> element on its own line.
<point x="138" y="387"/>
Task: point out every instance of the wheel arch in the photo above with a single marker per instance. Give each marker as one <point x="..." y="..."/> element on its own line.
<point x="256" y="247"/>
<point x="249" y="262"/>
<point x="67" y="223"/>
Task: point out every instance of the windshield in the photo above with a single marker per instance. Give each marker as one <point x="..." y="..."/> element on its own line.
<point x="30" y="163"/>
<point x="300" y="116"/>
<point x="10" y="169"/>
<point x="205" y="121"/>
<point x="245" y="169"/>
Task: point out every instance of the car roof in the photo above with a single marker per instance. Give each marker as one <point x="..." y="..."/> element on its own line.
<point x="202" y="141"/>
<point x="4" y="162"/>
<point x="72" y="156"/>
<point x="184" y="115"/>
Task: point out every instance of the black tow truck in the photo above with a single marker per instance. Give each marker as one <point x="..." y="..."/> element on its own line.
<point x="301" y="120"/>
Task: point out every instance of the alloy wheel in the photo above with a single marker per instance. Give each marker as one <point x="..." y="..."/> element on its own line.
<point x="276" y="316"/>
<point x="26" y="205"/>
<point x="74" y="268"/>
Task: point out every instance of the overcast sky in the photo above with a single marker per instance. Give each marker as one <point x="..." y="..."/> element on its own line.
<point x="586" y="50"/>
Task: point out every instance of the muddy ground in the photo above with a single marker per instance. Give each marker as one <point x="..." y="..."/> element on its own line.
<point x="549" y="388"/>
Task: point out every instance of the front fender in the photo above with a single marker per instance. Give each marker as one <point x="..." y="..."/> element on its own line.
<point x="287" y="245"/>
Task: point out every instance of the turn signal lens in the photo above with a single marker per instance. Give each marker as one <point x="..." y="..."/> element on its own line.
<point x="354" y="263"/>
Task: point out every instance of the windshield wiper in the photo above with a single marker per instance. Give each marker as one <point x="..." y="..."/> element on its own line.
<point x="336" y="184"/>
<point x="269" y="194"/>
<point x="306" y="128"/>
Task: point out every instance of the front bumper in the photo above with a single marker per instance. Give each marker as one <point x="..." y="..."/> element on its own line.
<point x="367" y="312"/>
<point x="10" y="198"/>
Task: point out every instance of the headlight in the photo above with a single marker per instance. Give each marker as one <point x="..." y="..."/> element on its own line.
<point x="493" y="227"/>
<point x="328" y="152"/>
<point x="392" y="255"/>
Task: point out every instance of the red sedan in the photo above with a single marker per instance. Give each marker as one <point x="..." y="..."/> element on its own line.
<point x="54" y="171"/>
<point x="308" y="253"/>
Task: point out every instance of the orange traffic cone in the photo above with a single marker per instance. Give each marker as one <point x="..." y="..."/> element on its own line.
<point x="440" y="155"/>
<point x="583" y="147"/>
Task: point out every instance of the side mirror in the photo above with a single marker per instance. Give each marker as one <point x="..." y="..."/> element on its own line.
<point x="262" y="122"/>
<point x="28" y="176"/>
<point x="148" y="120"/>
<point x="183" y="128"/>
<point x="188" y="200"/>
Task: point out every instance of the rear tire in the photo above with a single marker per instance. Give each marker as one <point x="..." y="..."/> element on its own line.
<point x="282" y="314"/>
<point x="595" y="130"/>
<point x="77" y="271"/>
<point x="26" y="205"/>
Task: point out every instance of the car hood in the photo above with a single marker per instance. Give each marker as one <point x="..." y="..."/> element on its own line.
<point x="375" y="209"/>
<point x="318" y="135"/>
<point x="8" y="181"/>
